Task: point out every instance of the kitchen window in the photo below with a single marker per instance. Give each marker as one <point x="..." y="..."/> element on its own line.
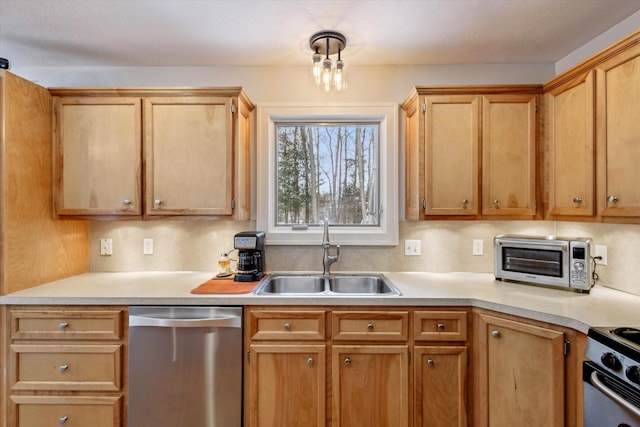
<point x="334" y="162"/>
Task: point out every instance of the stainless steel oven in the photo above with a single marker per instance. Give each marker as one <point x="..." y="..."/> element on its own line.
<point x="611" y="378"/>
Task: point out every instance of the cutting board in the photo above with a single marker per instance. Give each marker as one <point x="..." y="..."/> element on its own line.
<point x="226" y="285"/>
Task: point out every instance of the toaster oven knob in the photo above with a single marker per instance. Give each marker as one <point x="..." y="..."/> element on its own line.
<point x="611" y="361"/>
<point x="578" y="266"/>
<point x="633" y="373"/>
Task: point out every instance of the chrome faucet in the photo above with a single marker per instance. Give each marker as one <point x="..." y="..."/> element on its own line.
<point x="328" y="259"/>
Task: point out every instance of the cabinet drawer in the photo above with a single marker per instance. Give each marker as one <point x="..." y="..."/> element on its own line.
<point x="287" y="325"/>
<point x="69" y="411"/>
<point x="67" y="324"/>
<point x="66" y="367"/>
<point x="440" y="325"/>
<point x="370" y="325"/>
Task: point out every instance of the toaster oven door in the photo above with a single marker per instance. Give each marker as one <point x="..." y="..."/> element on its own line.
<point x="541" y="262"/>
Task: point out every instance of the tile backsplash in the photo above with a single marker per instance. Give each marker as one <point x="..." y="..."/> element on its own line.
<point x="445" y="246"/>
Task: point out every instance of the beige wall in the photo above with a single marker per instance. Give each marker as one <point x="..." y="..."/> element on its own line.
<point x="446" y="247"/>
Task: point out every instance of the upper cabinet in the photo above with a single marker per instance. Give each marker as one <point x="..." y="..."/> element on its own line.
<point x="146" y="153"/>
<point x="593" y="137"/>
<point x="571" y="151"/>
<point x="97" y="156"/>
<point x="471" y="152"/>
<point x="618" y="135"/>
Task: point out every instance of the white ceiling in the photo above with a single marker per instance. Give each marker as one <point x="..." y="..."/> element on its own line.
<point x="276" y="32"/>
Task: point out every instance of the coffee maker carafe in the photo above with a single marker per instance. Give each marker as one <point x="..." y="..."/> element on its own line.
<point x="250" y="246"/>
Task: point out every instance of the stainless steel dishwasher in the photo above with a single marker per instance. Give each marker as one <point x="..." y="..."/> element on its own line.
<point x="185" y="366"/>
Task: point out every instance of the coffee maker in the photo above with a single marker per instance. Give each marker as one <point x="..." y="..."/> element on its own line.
<point x="250" y="246"/>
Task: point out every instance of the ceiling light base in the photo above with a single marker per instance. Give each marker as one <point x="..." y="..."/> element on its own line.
<point x="318" y="42"/>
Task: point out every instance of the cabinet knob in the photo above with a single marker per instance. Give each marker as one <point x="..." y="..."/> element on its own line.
<point x="465" y="202"/>
<point x="62" y="420"/>
<point x="347" y="362"/>
<point x="495" y="334"/>
<point x="612" y="199"/>
<point x="431" y="363"/>
<point x="496" y="202"/>
<point x="370" y="326"/>
<point x="287" y="326"/>
<point x="310" y="361"/>
<point x="157" y="202"/>
<point x="63" y="325"/>
<point x="126" y="202"/>
<point x="63" y="368"/>
<point x="577" y="200"/>
<point x="441" y="326"/>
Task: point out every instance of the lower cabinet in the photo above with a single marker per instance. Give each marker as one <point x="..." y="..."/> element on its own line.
<point x="66" y="366"/>
<point x="526" y="373"/>
<point x="400" y="367"/>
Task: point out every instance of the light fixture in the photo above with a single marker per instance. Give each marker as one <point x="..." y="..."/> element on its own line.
<point x="326" y="74"/>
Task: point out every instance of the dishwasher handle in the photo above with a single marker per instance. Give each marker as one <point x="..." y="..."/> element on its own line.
<point x="215" y="322"/>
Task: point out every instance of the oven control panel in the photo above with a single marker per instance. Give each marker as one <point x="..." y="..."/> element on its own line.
<point x="617" y="361"/>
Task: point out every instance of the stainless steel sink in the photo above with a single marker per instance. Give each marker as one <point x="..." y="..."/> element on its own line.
<point x="327" y="285"/>
<point x="373" y="284"/>
<point x="301" y="284"/>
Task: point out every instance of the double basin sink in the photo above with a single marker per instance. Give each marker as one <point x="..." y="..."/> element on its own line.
<point x="325" y="285"/>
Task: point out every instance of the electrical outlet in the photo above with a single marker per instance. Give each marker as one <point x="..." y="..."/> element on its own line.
<point x="412" y="247"/>
<point x="601" y="251"/>
<point x="106" y="247"/>
<point x="478" y="247"/>
<point x="147" y="247"/>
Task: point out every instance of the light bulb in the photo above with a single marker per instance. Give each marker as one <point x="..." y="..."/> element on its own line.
<point x="327" y="66"/>
<point x="317" y="67"/>
<point x="338" y="76"/>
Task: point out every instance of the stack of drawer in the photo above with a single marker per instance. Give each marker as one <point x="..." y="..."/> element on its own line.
<point x="66" y="366"/>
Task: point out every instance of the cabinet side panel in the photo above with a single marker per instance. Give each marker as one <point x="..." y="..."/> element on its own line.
<point x="62" y="247"/>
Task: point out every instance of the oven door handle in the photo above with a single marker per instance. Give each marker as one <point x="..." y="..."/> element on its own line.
<point x="595" y="380"/>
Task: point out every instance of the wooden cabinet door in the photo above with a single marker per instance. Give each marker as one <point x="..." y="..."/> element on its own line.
<point x="440" y="381"/>
<point x="452" y="144"/>
<point x="618" y="135"/>
<point x="98" y="156"/>
<point x="522" y="366"/>
<point x="509" y="155"/>
<point x="287" y="385"/>
<point x="572" y="147"/>
<point x="370" y="385"/>
<point x="189" y="155"/>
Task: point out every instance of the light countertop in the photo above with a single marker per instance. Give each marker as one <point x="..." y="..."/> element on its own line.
<point x="602" y="307"/>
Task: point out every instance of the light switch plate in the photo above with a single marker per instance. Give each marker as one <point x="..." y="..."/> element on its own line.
<point x="147" y="247"/>
<point x="601" y="251"/>
<point x="412" y="247"/>
<point x="478" y="247"/>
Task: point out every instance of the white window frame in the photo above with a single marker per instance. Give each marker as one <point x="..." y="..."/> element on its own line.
<point x="386" y="114"/>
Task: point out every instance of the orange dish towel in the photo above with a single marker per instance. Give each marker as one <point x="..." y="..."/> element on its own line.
<point x="225" y="286"/>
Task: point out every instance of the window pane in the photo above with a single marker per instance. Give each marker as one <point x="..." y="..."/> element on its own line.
<point x="327" y="171"/>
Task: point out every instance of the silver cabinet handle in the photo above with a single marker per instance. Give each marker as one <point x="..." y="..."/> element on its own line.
<point x="441" y="326"/>
<point x="577" y="200"/>
<point x="495" y="334"/>
<point x="126" y="202"/>
<point x="310" y="361"/>
<point x="465" y="201"/>
<point x="431" y="363"/>
<point x="287" y="326"/>
<point x="63" y="368"/>
<point x="347" y="362"/>
<point x="496" y="202"/>
<point x="62" y="420"/>
<point x="63" y="325"/>
<point x="157" y="202"/>
<point x="424" y="204"/>
<point x="612" y="199"/>
<point x="370" y="326"/>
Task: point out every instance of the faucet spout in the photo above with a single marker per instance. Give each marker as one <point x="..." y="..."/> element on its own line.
<point x="327" y="258"/>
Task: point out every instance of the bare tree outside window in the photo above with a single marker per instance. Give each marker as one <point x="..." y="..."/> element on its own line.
<point x="327" y="171"/>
